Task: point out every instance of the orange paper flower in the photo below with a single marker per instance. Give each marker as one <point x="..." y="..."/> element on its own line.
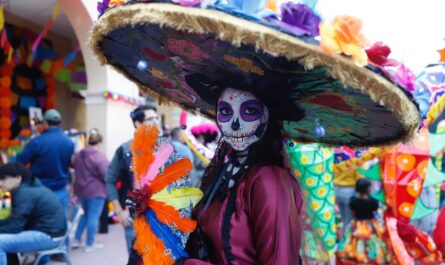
<point x="116" y="2"/>
<point x="343" y="36"/>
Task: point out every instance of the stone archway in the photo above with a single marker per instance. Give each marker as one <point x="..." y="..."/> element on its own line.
<point x="99" y="113"/>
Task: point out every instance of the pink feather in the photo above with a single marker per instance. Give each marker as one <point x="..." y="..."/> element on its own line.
<point x="183" y="119"/>
<point x="161" y="157"/>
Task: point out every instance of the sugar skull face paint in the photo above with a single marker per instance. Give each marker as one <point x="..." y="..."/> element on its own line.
<point x="241" y="117"/>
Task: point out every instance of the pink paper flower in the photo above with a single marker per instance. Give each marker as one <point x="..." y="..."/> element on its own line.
<point x="188" y="3"/>
<point x="406" y="78"/>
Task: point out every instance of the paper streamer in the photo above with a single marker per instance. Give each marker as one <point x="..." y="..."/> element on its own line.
<point x="2" y="18"/>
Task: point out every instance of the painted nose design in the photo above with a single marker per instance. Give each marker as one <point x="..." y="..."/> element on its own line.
<point x="235" y="125"/>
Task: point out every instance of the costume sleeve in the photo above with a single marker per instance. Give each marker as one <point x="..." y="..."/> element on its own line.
<point x="21" y="210"/>
<point x="275" y="204"/>
<point x="196" y="262"/>
<point x="114" y="173"/>
<point x="28" y="153"/>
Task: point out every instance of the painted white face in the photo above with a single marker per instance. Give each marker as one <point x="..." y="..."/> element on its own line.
<point x="241" y="117"/>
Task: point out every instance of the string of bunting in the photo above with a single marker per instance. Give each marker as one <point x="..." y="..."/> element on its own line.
<point x="52" y="67"/>
<point x="4" y="42"/>
<point x="122" y="98"/>
<point x="41" y="36"/>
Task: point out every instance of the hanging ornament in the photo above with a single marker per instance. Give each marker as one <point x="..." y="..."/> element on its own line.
<point x="319" y="129"/>
<point x="142" y="65"/>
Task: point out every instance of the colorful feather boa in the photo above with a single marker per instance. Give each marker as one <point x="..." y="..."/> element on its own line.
<point x="163" y="199"/>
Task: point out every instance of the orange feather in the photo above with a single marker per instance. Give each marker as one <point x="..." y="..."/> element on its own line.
<point x="148" y="245"/>
<point x="143" y="149"/>
<point x="172" y="173"/>
<point x="169" y="216"/>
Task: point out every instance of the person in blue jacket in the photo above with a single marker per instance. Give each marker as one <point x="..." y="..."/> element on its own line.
<point x="49" y="156"/>
<point x="37" y="216"/>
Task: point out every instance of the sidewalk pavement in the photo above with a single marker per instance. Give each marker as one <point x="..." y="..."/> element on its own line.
<point x="113" y="253"/>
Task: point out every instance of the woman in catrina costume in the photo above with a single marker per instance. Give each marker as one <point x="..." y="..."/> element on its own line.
<point x="264" y="78"/>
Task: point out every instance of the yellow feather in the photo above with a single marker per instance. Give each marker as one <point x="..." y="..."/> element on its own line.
<point x="179" y="198"/>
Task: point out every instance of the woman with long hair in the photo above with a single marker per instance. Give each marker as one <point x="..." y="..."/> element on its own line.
<point x="246" y="180"/>
<point x="264" y="79"/>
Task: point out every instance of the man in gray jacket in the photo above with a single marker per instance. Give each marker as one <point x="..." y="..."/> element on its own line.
<point x="119" y="171"/>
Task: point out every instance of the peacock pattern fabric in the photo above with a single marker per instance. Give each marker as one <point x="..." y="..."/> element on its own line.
<point x="163" y="199"/>
<point x="312" y="166"/>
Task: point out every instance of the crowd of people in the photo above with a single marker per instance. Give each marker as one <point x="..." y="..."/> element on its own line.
<point x="41" y="177"/>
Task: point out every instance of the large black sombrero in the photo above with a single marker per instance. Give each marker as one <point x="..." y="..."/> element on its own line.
<point x="186" y="55"/>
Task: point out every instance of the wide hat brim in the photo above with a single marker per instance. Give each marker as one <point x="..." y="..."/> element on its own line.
<point x="188" y="55"/>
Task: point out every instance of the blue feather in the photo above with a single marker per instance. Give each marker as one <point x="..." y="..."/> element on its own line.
<point x="253" y="8"/>
<point x="171" y="241"/>
<point x="310" y="3"/>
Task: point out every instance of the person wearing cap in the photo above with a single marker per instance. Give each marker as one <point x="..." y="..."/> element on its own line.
<point x="120" y="170"/>
<point x="49" y="156"/>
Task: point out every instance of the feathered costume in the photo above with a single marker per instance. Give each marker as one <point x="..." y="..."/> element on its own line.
<point x="163" y="199"/>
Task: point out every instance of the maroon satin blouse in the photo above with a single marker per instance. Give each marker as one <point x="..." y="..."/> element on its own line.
<point x="264" y="225"/>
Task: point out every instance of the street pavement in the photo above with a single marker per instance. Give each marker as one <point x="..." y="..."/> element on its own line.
<point x="113" y="253"/>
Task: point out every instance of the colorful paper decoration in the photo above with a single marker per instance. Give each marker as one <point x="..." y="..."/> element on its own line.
<point x="122" y="98"/>
<point x="312" y="165"/>
<point x="201" y="151"/>
<point x="5" y="205"/>
<point x="48" y="25"/>
<point x="40" y="90"/>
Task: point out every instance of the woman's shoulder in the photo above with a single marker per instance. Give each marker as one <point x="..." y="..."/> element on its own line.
<point x="275" y="183"/>
<point x="363" y="201"/>
<point x="269" y="176"/>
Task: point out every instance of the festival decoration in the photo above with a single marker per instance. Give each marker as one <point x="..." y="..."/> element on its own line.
<point x="5" y="205"/>
<point x="439" y="232"/>
<point x="405" y="169"/>
<point x="28" y="80"/>
<point x="442" y="55"/>
<point x="123" y="98"/>
<point x="46" y="28"/>
<point x="312" y="165"/>
<point x="163" y="199"/>
<point x="201" y="151"/>
<point x="418" y="244"/>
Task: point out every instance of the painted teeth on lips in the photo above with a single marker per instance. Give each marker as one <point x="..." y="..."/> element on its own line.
<point x="240" y="135"/>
